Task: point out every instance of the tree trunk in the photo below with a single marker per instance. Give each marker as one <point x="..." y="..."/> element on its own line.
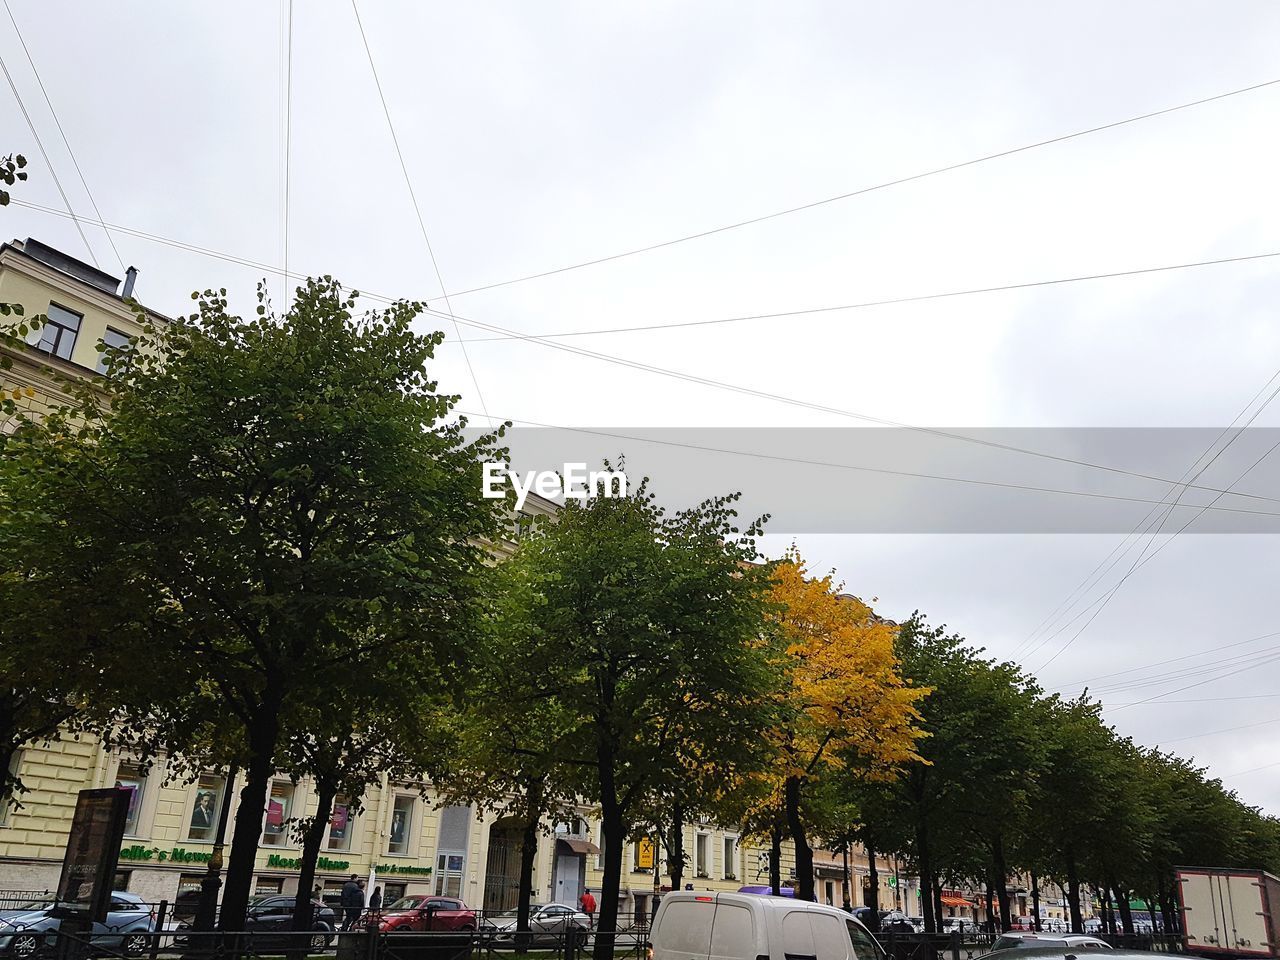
<point x="614" y="831"/>
<point x="775" y="861"/>
<point x="675" y="848"/>
<point x="1035" y="902"/>
<point x="1126" y="914"/>
<point x="1073" y="893"/>
<point x="1162" y="897"/>
<point x="529" y="853"/>
<point x="928" y="895"/>
<point x="1001" y="880"/>
<point x="263" y="735"/>
<point x="873" y="886"/>
<point x="937" y="899"/>
<point x="991" y="906"/>
<point x="804" y="852"/>
<point x="311" y="840"/>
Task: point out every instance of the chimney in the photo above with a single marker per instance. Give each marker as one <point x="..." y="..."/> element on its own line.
<point x="130" y="277"/>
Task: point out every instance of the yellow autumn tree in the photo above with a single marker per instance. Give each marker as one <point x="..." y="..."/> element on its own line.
<point x="845" y="698"/>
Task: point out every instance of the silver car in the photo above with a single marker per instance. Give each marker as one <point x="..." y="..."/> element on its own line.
<point x="30" y="929"/>
<point x="548" y="924"/>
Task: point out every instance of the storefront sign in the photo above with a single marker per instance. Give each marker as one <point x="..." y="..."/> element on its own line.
<point x="89" y="865"/>
<point x="322" y="863"/>
<point x="177" y="854"/>
<point x="644" y="855"/>
<point x="402" y="868"/>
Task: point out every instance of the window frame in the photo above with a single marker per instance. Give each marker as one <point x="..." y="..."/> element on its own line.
<point x="284" y="840"/>
<point x="101" y="367"/>
<point x="196" y="789"/>
<point x="36" y="337"/>
<point x="410" y="827"/>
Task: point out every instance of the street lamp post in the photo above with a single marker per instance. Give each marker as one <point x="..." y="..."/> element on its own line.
<point x="207" y="909"/>
<point x="848" y="904"/>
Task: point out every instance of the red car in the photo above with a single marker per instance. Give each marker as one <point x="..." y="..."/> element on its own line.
<point x="422" y="913"/>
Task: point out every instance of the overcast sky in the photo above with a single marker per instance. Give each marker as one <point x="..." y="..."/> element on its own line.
<point x="541" y="135"/>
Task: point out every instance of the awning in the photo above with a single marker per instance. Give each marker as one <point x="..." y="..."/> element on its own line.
<point x="579" y="846"/>
<point x="948" y="901"/>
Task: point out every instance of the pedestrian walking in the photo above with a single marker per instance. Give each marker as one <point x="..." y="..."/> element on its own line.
<point x="317" y="893"/>
<point x="352" y="901"/>
<point x="375" y="900"/>
<point x="588" y="904"/>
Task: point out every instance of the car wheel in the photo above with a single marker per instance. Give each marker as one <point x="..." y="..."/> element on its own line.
<point x="24" y="945"/>
<point x="135" y="944"/>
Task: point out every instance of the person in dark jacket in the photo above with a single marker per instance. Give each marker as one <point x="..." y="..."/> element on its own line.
<point x="375" y="899"/>
<point x="352" y="901"/>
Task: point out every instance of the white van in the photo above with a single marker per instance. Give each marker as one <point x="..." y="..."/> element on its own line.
<point x="744" y="926"/>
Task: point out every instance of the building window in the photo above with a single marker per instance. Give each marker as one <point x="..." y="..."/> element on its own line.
<point x="731" y="858"/>
<point x="401" y="825"/>
<point x="117" y="340"/>
<point x="184" y="905"/>
<point x="204" y="812"/>
<point x="449" y="874"/>
<point x="121" y="880"/>
<point x="340" y="824"/>
<point x="58" y="335"/>
<point x="5" y="799"/>
<point x="275" y="831"/>
<point x="600" y="844"/>
<point x="701" y="864"/>
<point x="267" y="886"/>
<point x="129" y="776"/>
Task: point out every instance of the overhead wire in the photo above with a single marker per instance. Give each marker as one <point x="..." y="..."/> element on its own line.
<point x="780" y="458"/>
<point x="865" y="304"/>
<point x="48" y="163"/>
<point x="63" y="133"/>
<point x="859" y="192"/>
<point x="404" y="169"/>
<point x="1143" y="557"/>
<point x="466" y="321"/>
<point x="809" y="405"/>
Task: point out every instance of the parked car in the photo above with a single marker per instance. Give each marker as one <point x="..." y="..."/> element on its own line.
<point x="689" y="926"/>
<point x="423" y="914"/>
<point x="1065" y="953"/>
<point x="1032" y="941"/>
<point x="273" y="914"/>
<point x="917" y="923"/>
<point x="891" y="921"/>
<point x="28" y="929"/>
<point x="961" y="925"/>
<point x="548" y="924"/>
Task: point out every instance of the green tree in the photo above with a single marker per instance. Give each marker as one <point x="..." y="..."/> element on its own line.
<point x="286" y="499"/>
<point x="649" y="625"/>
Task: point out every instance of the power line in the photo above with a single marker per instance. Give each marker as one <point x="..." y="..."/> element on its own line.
<point x="1214" y="733"/>
<point x="1144" y="558"/>
<point x="1147" y="666"/>
<point x="1087" y="583"/>
<point x="1241" y="773"/>
<point x="61" y="132"/>
<point x="855" y="193"/>
<point x="48" y="163"/>
<point x="1259" y="696"/>
<point x="288" y="131"/>
<point x="414" y="199"/>
<point x="847" y="466"/>
<point x="1198" y="683"/>
<point x="920" y="298"/>
<point x="822" y="408"/>
<point x="465" y="321"/>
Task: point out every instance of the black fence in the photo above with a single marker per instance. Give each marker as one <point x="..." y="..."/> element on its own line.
<point x="153" y="932"/>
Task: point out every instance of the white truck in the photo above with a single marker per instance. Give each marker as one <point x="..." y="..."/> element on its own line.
<point x="1227" y="912"/>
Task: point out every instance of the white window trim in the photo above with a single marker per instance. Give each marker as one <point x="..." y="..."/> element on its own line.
<point x="290" y="815"/>
<point x="351" y="822"/>
<point x="152" y="783"/>
<point x="415" y="824"/>
<point x="194" y="788"/>
<point x="732" y="870"/>
<point x="702" y="871"/>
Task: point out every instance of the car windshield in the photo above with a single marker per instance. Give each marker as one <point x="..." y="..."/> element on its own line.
<point x="408" y="903"/>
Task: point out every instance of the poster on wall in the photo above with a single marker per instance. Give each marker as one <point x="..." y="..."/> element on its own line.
<point x="93" y="851"/>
